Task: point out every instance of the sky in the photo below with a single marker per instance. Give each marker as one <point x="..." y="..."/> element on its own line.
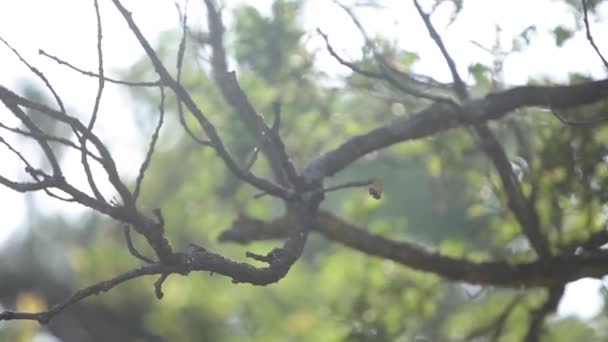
<point x="67" y="28"/>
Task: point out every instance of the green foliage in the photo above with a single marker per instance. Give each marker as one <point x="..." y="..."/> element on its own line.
<point x="561" y="35"/>
<point x="271" y="46"/>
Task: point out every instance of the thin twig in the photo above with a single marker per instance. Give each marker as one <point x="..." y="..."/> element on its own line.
<point x="269" y="142"/>
<point x="523" y="208"/>
<point x="353" y="184"/>
<point x="459" y="86"/>
<point x="48" y="137"/>
<point x="134" y="252"/>
<point x="36" y="174"/>
<point x="100" y="69"/>
<point x="92" y="74"/>
<point x="102" y="286"/>
<point x="497" y="325"/>
<point x="589" y="36"/>
<point x="379" y="75"/>
<point x="146" y="163"/>
<point x="39" y="74"/>
<point x="537" y="317"/>
<point x="83" y="140"/>
<point x="28" y="166"/>
<point x="37" y="134"/>
<point x="387" y="70"/>
<point x="208" y="127"/>
<point x="9" y="98"/>
<point x="180" y="58"/>
<point x="570" y="122"/>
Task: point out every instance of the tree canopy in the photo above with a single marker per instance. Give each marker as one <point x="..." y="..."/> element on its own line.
<point x="378" y="205"/>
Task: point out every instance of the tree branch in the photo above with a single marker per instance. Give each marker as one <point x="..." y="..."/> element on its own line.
<point x="524" y="209"/>
<point x="92" y="74"/>
<point x="538" y="316"/>
<point x="439" y="117"/>
<point x="146" y="163"/>
<point x="589" y="36"/>
<point x="267" y="139"/>
<point x="207" y="126"/>
<point x="549" y="271"/>
<point x="102" y="286"/>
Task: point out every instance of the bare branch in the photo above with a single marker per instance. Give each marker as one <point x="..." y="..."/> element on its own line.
<point x="131" y="246"/>
<point x="108" y="162"/>
<point x="381" y="76"/>
<point x="387" y="70"/>
<point x="459" y="86"/>
<point x="39" y="74"/>
<point x="148" y="158"/>
<point x="589" y="36"/>
<point x="346" y="185"/>
<point x="19" y="155"/>
<point x="554" y="295"/>
<point x="207" y="126"/>
<point x="44" y="180"/>
<point x="498" y="324"/>
<point x="267" y="139"/>
<point x="438" y="117"/>
<point x="102" y="286"/>
<point x="92" y="74"/>
<point x="101" y="82"/>
<point x="588" y="122"/>
<point x="50" y="138"/>
<point x="37" y="134"/>
<point x="523" y="209"/>
<point x="180" y="59"/>
<point x="100" y="70"/>
<point x="549" y="271"/>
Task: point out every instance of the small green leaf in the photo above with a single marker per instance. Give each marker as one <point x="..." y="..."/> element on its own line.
<point x="481" y="74"/>
<point x="561" y="34"/>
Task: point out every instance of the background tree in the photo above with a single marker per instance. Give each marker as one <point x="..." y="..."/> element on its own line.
<point x="484" y="183"/>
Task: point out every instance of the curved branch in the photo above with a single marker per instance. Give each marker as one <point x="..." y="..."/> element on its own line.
<point x="549" y="271"/>
<point x="589" y="35"/>
<point x="146" y="163"/>
<point x="102" y="286"/>
<point x="440" y="117"/>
